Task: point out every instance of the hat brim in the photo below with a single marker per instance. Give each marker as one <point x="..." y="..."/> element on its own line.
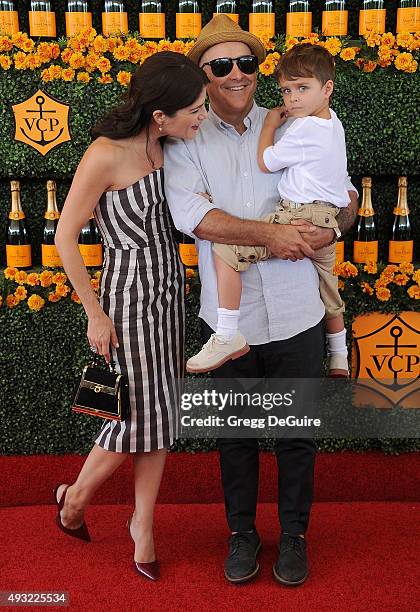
<point x="254" y="43"/>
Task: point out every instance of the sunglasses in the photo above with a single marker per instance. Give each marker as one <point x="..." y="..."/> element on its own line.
<point x="222" y="66"/>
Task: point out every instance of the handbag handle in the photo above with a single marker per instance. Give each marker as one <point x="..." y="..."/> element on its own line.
<point x="97" y="361"/>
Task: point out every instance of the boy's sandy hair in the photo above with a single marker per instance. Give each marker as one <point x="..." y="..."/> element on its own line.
<point x="306" y="60"/>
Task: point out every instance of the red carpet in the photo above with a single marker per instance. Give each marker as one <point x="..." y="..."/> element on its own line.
<point x="363" y="556"/>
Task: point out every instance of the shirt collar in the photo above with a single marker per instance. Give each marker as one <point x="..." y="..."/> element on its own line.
<point x="250" y="120"/>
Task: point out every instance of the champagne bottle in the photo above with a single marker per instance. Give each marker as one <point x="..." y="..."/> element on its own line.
<point x="9" y="20"/>
<point x="339" y="251"/>
<point x="372" y="16"/>
<point x="18" y="246"/>
<point x="262" y="18"/>
<point x="90" y="244"/>
<point x="78" y="16"/>
<point x="114" y="17"/>
<point x="42" y="19"/>
<point x="299" y="19"/>
<point x="187" y="250"/>
<point x="365" y="246"/>
<point x="227" y="7"/>
<point x="401" y="239"/>
<point x="408" y="16"/>
<point x="50" y="256"/>
<point x="188" y="19"/>
<point x="151" y="20"/>
<point x="335" y="18"/>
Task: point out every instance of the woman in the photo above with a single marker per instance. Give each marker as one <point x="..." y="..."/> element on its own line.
<point x="139" y="319"/>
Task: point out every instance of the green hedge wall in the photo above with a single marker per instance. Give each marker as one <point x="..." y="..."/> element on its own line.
<point x="170" y="8"/>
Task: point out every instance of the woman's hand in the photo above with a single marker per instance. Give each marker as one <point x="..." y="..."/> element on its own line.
<point x="101" y="333"/>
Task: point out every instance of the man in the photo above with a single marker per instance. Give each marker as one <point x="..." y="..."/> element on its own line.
<point x="281" y="311"/>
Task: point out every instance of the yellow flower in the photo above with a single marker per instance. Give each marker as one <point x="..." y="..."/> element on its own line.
<point x="5" y="44"/>
<point x="33" y="279"/>
<point x="348" y="54"/>
<point x="21" y="293"/>
<point x="333" y="45"/>
<point x="345" y="269"/>
<point x="341" y="284"/>
<point x="33" y="61"/>
<point x="164" y="45"/>
<point x="416" y="276"/>
<point x="20" y="277"/>
<point x="414" y="292"/>
<point x="124" y="77"/>
<point x="5" y="62"/>
<point x="46" y="75"/>
<point x="59" y="278"/>
<point x="412" y="67"/>
<point x="35" y="302"/>
<point x="401" y="279"/>
<point x="54" y="297"/>
<point x="75" y="297"/>
<point x="11" y="301"/>
<point x="55" y="50"/>
<point x="383" y="281"/>
<point x="100" y="44"/>
<point x="291" y="42"/>
<point x="62" y="290"/>
<point x="46" y="278"/>
<point x="406" y="267"/>
<point x="178" y="46"/>
<point x="103" y="64"/>
<point x="10" y="273"/>
<point x="366" y="288"/>
<point x="91" y="60"/>
<point x="44" y="51"/>
<point x="83" y="77"/>
<point x="370" y="267"/>
<point x="121" y="53"/>
<point x="390" y="268"/>
<point x="403" y="61"/>
<point x="405" y="40"/>
<point x="19" y="38"/>
<point x="66" y="55"/>
<point x="1" y="300"/>
<point x="383" y="294"/>
<point x="388" y="39"/>
<point x="373" y="39"/>
<point x="67" y="74"/>
<point x="28" y="45"/>
<point x="369" y="66"/>
<point x="105" y="79"/>
<point x="20" y="60"/>
<point x="95" y="284"/>
<point x="267" y="67"/>
<point x="113" y="43"/>
<point x="189" y="273"/>
<point x="98" y="274"/>
<point x="77" y="60"/>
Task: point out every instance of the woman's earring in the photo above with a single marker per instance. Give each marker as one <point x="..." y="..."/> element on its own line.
<point x="160" y="128"/>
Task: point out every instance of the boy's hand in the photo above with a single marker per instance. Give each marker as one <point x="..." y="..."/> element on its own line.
<point x="276" y="117"/>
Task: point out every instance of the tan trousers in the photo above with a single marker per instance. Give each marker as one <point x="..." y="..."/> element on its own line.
<point x="319" y="213"/>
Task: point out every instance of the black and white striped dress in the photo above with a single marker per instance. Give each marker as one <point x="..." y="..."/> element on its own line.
<point x="141" y="290"/>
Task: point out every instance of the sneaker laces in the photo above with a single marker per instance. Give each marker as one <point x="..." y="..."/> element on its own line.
<point x="292" y="543"/>
<point x="239" y="542"/>
<point x="214" y="339"/>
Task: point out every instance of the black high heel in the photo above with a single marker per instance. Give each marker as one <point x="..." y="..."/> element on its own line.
<point x="148" y="570"/>
<point x="82" y="532"/>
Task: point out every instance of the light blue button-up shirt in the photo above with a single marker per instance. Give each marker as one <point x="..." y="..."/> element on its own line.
<point x="280" y="298"/>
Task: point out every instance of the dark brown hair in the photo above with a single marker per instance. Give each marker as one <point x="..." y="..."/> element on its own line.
<point x="166" y="81"/>
<point x="306" y="60"/>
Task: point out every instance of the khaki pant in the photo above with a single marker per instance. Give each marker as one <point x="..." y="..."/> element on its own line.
<point x="319" y="213"/>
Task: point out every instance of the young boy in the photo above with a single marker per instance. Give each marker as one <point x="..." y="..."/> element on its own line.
<point x="312" y="186"/>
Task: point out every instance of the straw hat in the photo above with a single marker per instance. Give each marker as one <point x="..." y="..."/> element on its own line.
<point x="222" y="29"/>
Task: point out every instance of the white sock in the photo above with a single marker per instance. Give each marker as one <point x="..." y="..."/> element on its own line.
<point x="227" y="323"/>
<point x="336" y="343"/>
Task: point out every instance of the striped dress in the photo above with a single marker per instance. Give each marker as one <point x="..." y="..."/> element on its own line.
<point x="141" y="290"/>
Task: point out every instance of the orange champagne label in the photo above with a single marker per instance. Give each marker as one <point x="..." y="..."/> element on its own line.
<point x="339" y="252"/>
<point x="188" y="254"/>
<point x="114" y="23"/>
<point x="233" y="16"/>
<point x="16" y="216"/>
<point x="298" y="24"/>
<point x="75" y="22"/>
<point x="262" y="24"/>
<point x="9" y="22"/>
<point x="50" y="256"/>
<point x="42" y="23"/>
<point x="91" y="255"/>
<point x="408" y="19"/>
<point x="18" y="256"/>
<point x="52" y="216"/>
<point x="335" y="23"/>
<point x="366" y="212"/>
<point x="188" y="25"/>
<point x="152" y="25"/>
<point x="363" y="252"/>
<point x="372" y="19"/>
<point x="400" y="251"/>
<point x="403" y="212"/>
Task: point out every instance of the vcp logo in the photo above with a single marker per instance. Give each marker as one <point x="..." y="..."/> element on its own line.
<point x="386" y="358"/>
<point x="42" y="122"/>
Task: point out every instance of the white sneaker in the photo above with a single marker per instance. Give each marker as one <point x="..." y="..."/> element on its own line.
<point x="216" y="352"/>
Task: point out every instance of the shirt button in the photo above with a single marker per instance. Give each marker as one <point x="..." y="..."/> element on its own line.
<point x="248" y="204"/>
<point x="245" y="174"/>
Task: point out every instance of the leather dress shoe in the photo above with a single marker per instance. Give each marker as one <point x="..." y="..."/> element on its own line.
<point x="291" y="568"/>
<point x="82" y="532"/>
<point x="241" y="563"/>
<point x="148" y="570"/>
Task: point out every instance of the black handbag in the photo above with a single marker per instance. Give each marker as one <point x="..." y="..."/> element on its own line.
<point x="102" y="393"/>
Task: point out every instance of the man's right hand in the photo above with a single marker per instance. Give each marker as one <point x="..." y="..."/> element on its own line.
<point x="285" y="242"/>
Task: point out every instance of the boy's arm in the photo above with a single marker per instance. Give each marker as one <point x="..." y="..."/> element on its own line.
<point x="273" y="120"/>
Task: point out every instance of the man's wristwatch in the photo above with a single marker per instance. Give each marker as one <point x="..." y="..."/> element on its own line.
<point x="337" y="235"/>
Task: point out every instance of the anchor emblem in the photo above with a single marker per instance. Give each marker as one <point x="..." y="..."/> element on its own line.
<point x="42" y="122"/>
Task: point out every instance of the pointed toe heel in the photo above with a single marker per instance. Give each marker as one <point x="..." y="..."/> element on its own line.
<point x="82" y="532"/>
<point x="149" y="570"/>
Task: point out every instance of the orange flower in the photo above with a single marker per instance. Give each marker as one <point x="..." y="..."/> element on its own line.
<point x="416" y="276"/>
<point x="388" y="39"/>
<point x="369" y="66"/>
<point x="62" y="290"/>
<point x="20" y="277"/>
<point x="178" y="46"/>
<point x="83" y="77"/>
<point x="370" y="267"/>
<point x="77" y="60"/>
<point x="55" y="50"/>
<point x="100" y="44"/>
<point x="59" y="278"/>
<point x="401" y="279"/>
<point x="95" y="284"/>
<point x="341" y="284"/>
<point x="10" y="273"/>
<point x="124" y="78"/>
<point x="28" y="45"/>
<point x="366" y="288"/>
<point x="55" y="71"/>
<point x="403" y="61"/>
<point x="383" y="294"/>
<point x="390" y="268"/>
<point x="103" y="64"/>
<point x="105" y="79"/>
<point x="164" y="45"/>
<point x="36" y="302"/>
<point x="5" y="62"/>
<point x="21" y="293"/>
<point x="46" y="75"/>
<point x="33" y="279"/>
<point x="348" y="269"/>
<point x="348" y="54"/>
<point x="187" y="289"/>
<point x="121" y="53"/>
<point x="189" y="273"/>
<point x="75" y="297"/>
<point x="66" y="55"/>
<point x="46" y="278"/>
<point x="5" y="43"/>
<point x="333" y="45"/>
<point x="414" y="292"/>
<point x="267" y="67"/>
<point x="19" y="38"/>
<point x="405" y="40"/>
<point x="1" y="300"/>
<point x="406" y="267"/>
<point x="20" y="60"/>
<point x="11" y="301"/>
<point x="54" y="297"/>
<point x="68" y="74"/>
